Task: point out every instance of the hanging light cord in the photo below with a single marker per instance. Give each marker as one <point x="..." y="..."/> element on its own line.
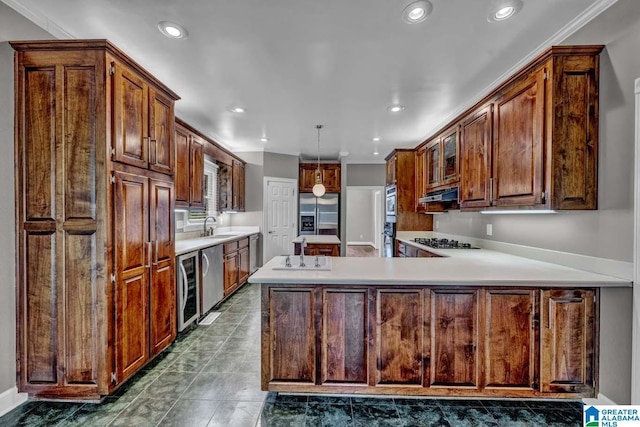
<point x="318" y="127"/>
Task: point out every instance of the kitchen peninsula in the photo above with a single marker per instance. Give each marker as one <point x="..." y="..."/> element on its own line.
<point x="328" y="245"/>
<point x="469" y="323"/>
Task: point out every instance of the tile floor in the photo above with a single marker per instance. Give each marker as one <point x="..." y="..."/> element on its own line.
<point x="211" y="377"/>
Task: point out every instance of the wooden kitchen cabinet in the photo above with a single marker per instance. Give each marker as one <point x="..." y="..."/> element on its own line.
<point x="94" y="217"/>
<point x="475" y="155"/>
<point x="313" y="249"/>
<point x="403" y="163"/>
<point x="143" y="121"/>
<point x="421" y="176"/>
<point x="231" y="183"/>
<point x="236" y="264"/>
<point x="399" y="346"/>
<point x="518" y="128"/>
<point x="189" y="176"/>
<point x="511" y="339"/>
<point x="534" y="142"/>
<point x="568" y="341"/>
<point x="429" y="340"/>
<point x="329" y="174"/>
<point x="391" y="169"/>
<point x="442" y="160"/>
<point x="453" y="326"/>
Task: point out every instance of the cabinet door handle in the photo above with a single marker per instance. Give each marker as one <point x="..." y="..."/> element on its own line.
<point x="147" y="139"/>
<point x="148" y="255"/>
<point x="206" y="258"/>
<point x="156" y="258"/>
<point x="155" y="150"/>
<point x="185" y="287"/>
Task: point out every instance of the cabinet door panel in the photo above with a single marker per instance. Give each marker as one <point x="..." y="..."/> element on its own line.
<point x="161" y="133"/>
<point x="518" y="144"/>
<point x="196" y="173"/>
<point x="421" y="177"/>
<point x="454" y="338"/>
<point x="344" y="336"/>
<point x="183" y="170"/>
<point x="132" y="255"/>
<point x="131" y="118"/>
<point x="568" y="340"/>
<point x="307" y="178"/>
<point x="231" y="265"/>
<point x="292" y="335"/>
<point x="243" y="265"/>
<point x="162" y="300"/>
<point x="399" y="337"/>
<point x="475" y="158"/>
<point x="510" y="341"/>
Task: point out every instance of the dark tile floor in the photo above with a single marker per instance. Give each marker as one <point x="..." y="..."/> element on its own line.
<point x="211" y="377"/>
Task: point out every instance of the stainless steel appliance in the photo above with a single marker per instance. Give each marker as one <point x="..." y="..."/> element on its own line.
<point x="188" y="283"/>
<point x="391" y="204"/>
<point x="320" y="215"/>
<point x="212" y="277"/>
<point x="253" y="253"/>
<point x="389" y="239"/>
<point x="443" y="243"/>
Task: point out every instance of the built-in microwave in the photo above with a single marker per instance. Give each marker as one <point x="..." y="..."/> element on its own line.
<point x="188" y="283"/>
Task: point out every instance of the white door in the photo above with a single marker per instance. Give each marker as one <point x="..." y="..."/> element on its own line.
<point x="281" y="216"/>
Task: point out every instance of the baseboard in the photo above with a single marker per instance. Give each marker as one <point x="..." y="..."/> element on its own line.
<point x="361" y="244"/>
<point x="601" y="399"/>
<point x="11" y="399"/>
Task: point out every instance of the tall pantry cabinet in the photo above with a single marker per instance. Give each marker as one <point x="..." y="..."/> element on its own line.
<point x="95" y="268"/>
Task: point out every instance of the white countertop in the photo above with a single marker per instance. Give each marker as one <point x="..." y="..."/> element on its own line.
<point x="318" y="239"/>
<point x="479" y="267"/>
<point x="190" y="245"/>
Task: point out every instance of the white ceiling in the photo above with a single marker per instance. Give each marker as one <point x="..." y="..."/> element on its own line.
<point x="297" y="63"/>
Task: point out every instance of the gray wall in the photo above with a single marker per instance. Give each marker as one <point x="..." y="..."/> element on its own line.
<point x="280" y="165"/>
<point x="366" y="175"/>
<point x="607" y="232"/>
<point x="12" y="27"/>
<point x="360" y="218"/>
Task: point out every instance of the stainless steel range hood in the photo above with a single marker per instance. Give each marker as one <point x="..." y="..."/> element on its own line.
<point x="447" y="195"/>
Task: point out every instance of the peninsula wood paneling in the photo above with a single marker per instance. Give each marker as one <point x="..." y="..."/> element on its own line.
<point x="344" y="336"/>
<point x="510" y="339"/>
<point x="568" y="340"/>
<point x="453" y="319"/>
<point x="399" y="340"/>
<point x="292" y="336"/>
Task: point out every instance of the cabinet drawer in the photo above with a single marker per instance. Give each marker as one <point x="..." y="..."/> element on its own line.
<point x="230" y="247"/>
<point x="243" y="243"/>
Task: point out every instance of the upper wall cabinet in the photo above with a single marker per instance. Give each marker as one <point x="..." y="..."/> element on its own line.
<point x="231" y="192"/>
<point x="329" y="175"/>
<point x="189" y="176"/>
<point x="533" y="143"/>
<point x="441" y="162"/>
<point x="143" y="121"/>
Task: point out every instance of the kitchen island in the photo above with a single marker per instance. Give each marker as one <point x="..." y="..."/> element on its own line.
<point x="327" y="245"/>
<point x="472" y="323"/>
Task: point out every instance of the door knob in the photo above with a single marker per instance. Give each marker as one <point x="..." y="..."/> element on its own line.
<point x="270" y="231"/>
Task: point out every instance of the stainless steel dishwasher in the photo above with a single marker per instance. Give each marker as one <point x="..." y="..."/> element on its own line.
<point x="253" y="253"/>
<point x="212" y="277"/>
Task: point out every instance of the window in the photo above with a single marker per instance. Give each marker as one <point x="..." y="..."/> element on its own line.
<point x="210" y="194"/>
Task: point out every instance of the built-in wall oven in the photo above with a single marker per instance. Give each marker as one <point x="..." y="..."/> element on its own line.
<point x="188" y="283"/>
<point x="389" y="239"/>
<point x="391" y="204"/>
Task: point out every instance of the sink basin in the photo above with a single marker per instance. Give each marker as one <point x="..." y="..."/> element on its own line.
<point x="324" y="263"/>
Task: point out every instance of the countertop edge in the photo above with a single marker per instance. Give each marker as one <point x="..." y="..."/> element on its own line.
<point x="204" y="242"/>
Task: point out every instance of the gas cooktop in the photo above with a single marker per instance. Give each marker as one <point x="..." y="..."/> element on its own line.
<point x="443" y="243"/>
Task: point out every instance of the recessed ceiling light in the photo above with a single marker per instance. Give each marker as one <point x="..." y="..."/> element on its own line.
<point x="376" y="139"/>
<point x="395" y="108"/>
<point x="505" y="10"/>
<point x="417" y="11"/>
<point x="172" y="30"/>
<point x="375" y="153"/>
<point x="239" y="110"/>
<point x="264" y="139"/>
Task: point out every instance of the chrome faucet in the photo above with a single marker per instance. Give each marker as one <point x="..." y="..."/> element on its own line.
<point x="302" y="246"/>
<point x="210" y="231"/>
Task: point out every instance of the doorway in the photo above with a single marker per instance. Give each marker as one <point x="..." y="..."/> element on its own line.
<point x="364" y="220"/>
<point x="280" y="216"/>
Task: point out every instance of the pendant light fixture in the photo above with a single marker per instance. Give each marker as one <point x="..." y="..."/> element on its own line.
<point x="318" y="189"/>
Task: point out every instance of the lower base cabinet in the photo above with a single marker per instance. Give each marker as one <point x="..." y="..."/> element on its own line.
<point x="421" y="340"/>
<point x="313" y="249"/>
<point x="236" y="264"/>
